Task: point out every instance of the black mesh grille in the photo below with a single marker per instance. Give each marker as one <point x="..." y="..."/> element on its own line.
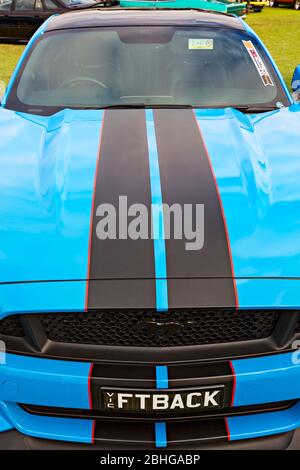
<point x="11" y="326"/>
<point x="145" y="328"/>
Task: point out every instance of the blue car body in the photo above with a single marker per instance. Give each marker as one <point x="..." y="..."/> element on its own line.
<point x="47" y="184"/>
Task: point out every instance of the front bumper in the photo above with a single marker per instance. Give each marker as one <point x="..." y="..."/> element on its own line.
<point x="57" y="386"/>
<point x="13" y="440"/>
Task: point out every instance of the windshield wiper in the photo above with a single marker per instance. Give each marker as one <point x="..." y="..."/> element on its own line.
<point x="146" y="106"/>
<point x="255" y="109"/>
<point x="243" y="108"/>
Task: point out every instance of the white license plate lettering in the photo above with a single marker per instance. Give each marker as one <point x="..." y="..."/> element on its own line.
<point x="171" y="401"/>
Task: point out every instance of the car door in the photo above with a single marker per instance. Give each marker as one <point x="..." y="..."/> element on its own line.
<point x="7" y="26"/>
<point x="28" y="15"/>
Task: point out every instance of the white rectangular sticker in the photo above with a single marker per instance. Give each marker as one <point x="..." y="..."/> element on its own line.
<point x="201" y="44"/>
<point x="258" y="62"/>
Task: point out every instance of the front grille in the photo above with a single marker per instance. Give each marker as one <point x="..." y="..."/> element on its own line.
<point x="144" y="328"/>
<point x="149" y="329"/>
<point x="197" y="334"/>
<point x="11" y="326"/>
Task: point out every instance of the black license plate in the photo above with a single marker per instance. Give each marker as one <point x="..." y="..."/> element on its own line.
<point x="163" y="401"/>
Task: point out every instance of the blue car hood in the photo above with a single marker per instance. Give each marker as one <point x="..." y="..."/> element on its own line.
<point x="47" y="176"/>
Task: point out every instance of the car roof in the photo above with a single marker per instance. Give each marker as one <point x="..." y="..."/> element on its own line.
<point x="136" y="17"/>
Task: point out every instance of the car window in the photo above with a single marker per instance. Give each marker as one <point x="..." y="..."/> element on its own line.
<point x="71" y="3"/>
<point x="27" y="4"/>
<point x="151" y="66"/>
<point x="49" y="5"/>
<point x="5" y="4"/>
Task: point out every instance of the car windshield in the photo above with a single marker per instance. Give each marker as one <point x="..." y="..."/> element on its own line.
<point x="145" y="66"/>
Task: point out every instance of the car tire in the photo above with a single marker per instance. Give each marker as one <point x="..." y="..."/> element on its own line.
<point x="273" y="4"/>
<point x="297" y="5"/>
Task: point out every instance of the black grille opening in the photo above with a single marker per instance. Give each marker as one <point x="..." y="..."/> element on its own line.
<point x="11" y="326"/>
<point x="148" y="336"/>
<point x="98" y="414"/>
<point x="148" y="329"/>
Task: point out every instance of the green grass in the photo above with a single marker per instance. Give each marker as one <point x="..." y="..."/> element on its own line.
<point x="9" y="55"/>
<point x="279" y="28"/>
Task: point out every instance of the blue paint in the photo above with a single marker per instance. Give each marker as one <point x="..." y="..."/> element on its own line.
<point x="45" y="382"/>
<point x="162" y="379"/>
<point x="46" y="191"/>
<point x="266" y="293"/>
<point x="160" y="435"/>
<point x="267" y="379"/>
<point x="264" y="424"/>
<point x="65" y="384"/>
<point x="162" y="382"/>
<point x="296" y="79"/>
<point x="157" y="218"/>
<point x="36" y="35"/>
<point x="256" y="169"/>
<point x="42" y="297"/>
<point x="5" y="425"/>
<point x="61" y="429"/>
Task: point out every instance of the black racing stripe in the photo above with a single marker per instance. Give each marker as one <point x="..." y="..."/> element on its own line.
<point x="142" y="377"/>
<point x="178" y="433"/>
<point x="201" y="292"/>
<point x="125" y="434"/>
<point x="180" y="377"/>
<point x="186" y="178"/>
<point x="204" y="375"/>
<point x="123" y="171"/>
<point x="120" y="376"/>
<point x="209" y="430"/>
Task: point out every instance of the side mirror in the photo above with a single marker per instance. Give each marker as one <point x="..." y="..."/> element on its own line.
<point x="296" y="85"/>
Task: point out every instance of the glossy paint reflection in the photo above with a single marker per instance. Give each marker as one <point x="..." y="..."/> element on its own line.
<point x="256" y="160"/>
<point x="46" y="188"/>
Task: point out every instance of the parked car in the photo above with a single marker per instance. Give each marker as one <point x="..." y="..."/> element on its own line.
<point x="293" y="3"/>
<point x="19" y="19"/>
<point x="223" y="6"/>
<point x="130" y="336"/>
<point x="256" y="6"/>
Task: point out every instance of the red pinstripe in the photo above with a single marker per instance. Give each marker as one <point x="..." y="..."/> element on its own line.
<point x="89" y="386"/>
<point x="227" y="429"/>
<point x="234" y="383"/>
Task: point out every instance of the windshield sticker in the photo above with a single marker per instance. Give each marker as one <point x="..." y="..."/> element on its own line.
<point x="201" y="44"/>
<point x="258" y="62"/>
